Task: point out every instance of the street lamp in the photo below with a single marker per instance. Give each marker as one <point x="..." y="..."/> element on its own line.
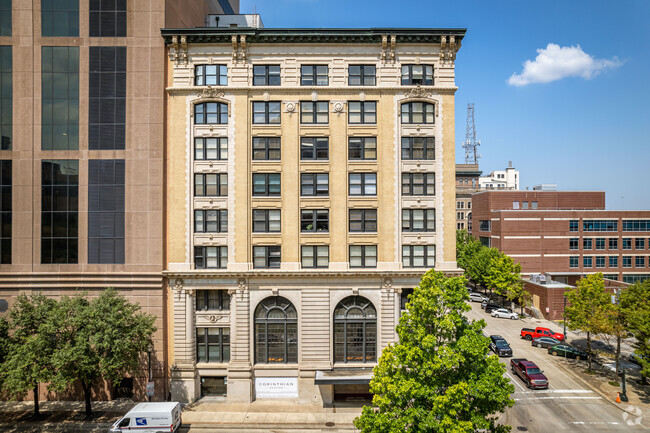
<point x="149" y="351"/>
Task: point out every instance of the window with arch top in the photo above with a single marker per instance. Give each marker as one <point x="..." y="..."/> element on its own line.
<point x="276" y="331"/>
<point x="355" y="330"/>
<point x="211" y="113"/>
<point x="418" y="112"/>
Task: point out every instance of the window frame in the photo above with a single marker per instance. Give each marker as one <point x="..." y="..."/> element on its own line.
<point x="362" y="75"/>
<point x="220" y="222"/>
<point x="587" y="262"/>
<point x="314" y="75"/>
<point x="363" y="184"/>
<point x="221" y="149"/>
<point x="613" y="261"/>
<point x="202" y="253"/>
<point x="206" y="344"/>
<point x="314" y="112"/>
<point x="600" y="261"/>
<point x="270" y="117"/>
<point x="574" y="261"/>
<point x="268" y="75"/>
<point x="426" y="220"/>
<point x="411" y="184"/>
<point x="428" y="108"/>
<point x="364" y="256"/>
<point x="220" y="113"/>
<point x="313" y="220"/>
<point x="428" y="148"/>
<point x="316" y="148"/>
<point x="574" y="243"/>
<point x="626" y="243"/>
<point x="368" y="322"/>
<point x="426" y="257"/>
<point x="365" y="220"/>
<point x="315" y="249"/>
<point x="311" y="185"/>
<point x="627" y="261"/>
<point x="639" y="243"/>
<point x="641" y="260"/>
<point x="410" y="81"/>
<point x="270" y="152"/>
<point x="272" y="256"/>
<point x="366" y="150"/>
<point x="266" y="220"/>
<point x="289" y="322"/>
<point x="366" y="109"/>
<point x="268" y="191"/>
<point x="599" y="244"/>
<point x="220" y="184"/>
<point x="201" y="74"/>
<point x="203" y="298"/>
<point x="587" y="243"/>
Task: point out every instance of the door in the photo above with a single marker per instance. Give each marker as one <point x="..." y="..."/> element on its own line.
<point x="360" y="393"/>
<point x="214" y="386"/>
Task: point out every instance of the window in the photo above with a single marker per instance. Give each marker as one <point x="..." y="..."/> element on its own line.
<point x="212" y="344"/>
<point x="636" y="226"/>
<point x="6" y="94"/>
<point x="314" y="112"/>
<point x="573" y="243"/>
<point x="362" y="112"/>
<point x="485" y="225"/>
<point x="60" y="18"/>
<point x="460" y="205"/>
<point x="600" y="226"/>
<point x="60" y="98"/>
<point x="418" y="184"/>
<point x="314" y="148"/>
<point x="5" y="211"/>
<point x="107" y="98"/>
<point x="639" y="262"/>
<point x="613" y="243"/>
<point x="600" y="243"/>
<point x="210" y="257"/>
<point x="361" y="75"/>
<point x="418" y="256"/>
<point x="417" y="112"/>
<point x="315" y="256"/>
<point x="266" y="257"/>
<point x="266" y="221"/>
<point x="207" y="300"/>
<point x="5" y="18"/>
<point x="573" y="225"/>
<point x="524" y="205"/>
<point x="211" y="75"/>
<point x="210" y="184"/>
<point x="417" y="74"/>
<point x="635" y="278"/>
<point x="418" y="220"/>
<point x="639" y="244"/>
<point x="59" y="211"/>
<point x="266" y="148"/>
<point x="266" y="112"/>
<point x="460" y="215"/>
<point x="314" y="220"/>
<point x="276" y="331"/>
<point x="363" y="256"/>
<point x="485" y="241"/>
<point x="209" y="113"/>
<point x="404" y="298"/>
<point x="600" y="261"/>
<point x="613" y="261"/>
<point x="266" y="184"/>
<point x="362" y="183"/>
<point x="627" y="243"/>
<point x="355" y="330"/>
<point x="418" y="148"/>
<point x="573" y="261"/>
<point x="586" y="244"/>
<point x="313" y="75"/>
<point x="107" y="18"/>
<point x="587" y="262"/>
<point x="613" y="277"/>
<point x="362" y="148"/>
<point x="210" y="221"/>
<point x="266" y="75"/>
<point x="314" y="184"/>
<point x="210" y="148"/>
<point x="363" y="220"/>
<point x="627" y="261"/>
<point x="460" y="226"/>
<point x="106" y="202"/>
<point x="533" y="205"/>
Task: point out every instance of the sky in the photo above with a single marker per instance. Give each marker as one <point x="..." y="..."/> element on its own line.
<point x="561" y="88"/>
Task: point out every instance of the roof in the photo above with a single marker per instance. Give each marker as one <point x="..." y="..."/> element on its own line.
<point x="154" y="406"/>
<point x="323" y="35"/>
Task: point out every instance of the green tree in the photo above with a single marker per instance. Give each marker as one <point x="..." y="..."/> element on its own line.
<point x="479" y="265"/>
<point x="438" y="377"/>
<point x="101" y="339"/>
<point x="467" y="246"/>
<point x="5" y="344"/>
<point x="588" y="308"/>
<point x="31" y="346"/>
<point x="503" y="274"/>
<point x="635" y="309"/>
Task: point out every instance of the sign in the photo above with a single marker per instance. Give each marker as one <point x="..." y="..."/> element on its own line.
<point x="276" y="387"/>
<point x="141" y="421"/>
<point x="150" y="389"/>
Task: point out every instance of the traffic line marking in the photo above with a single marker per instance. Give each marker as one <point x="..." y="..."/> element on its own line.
<point x="558" y="396"/>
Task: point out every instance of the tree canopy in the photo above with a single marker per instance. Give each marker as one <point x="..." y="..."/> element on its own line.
<point x="635" y="308"/>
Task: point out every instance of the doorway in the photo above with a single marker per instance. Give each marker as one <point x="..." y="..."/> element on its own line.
<point x="214" y="386"/>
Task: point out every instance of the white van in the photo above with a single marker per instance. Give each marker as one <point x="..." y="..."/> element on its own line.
<point x="150" y="418"/>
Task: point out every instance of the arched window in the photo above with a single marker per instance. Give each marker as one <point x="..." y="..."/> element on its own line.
<point x="276" y="331"/>
<point x="417" y="112"/>
<point x="211" y="113"/>
<point x="355" y="330"/>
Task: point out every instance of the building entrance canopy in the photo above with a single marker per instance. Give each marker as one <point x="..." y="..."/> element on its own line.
<point x="351" y="376"/>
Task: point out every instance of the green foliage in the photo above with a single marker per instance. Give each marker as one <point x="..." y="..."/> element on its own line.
<point x="467" y="246"/>
<point x="439" y="376"/>
<point x="635" y="308"/>
<point x="479" y="265"/>
<point x="503" y="274"/>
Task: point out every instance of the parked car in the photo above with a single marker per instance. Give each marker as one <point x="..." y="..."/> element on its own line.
<point x="636" y="358"/>
<point x="150" y="418"/>
<point x="492" y="306"/>
<point x="529" y="372"/>
<point x="529" y="333"/>
<point x="500" y="346"/>
<point x="504" y="313"/>
<point x="567" y="351"/>
<point x="545" y="342"/>
<point x="477" y="297"/>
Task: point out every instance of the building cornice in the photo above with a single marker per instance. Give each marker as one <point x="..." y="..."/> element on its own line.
<point x="320" y="89"/>
<point x="307" y="273"/>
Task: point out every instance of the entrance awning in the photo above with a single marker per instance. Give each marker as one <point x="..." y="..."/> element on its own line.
<point x="358" y="376"/>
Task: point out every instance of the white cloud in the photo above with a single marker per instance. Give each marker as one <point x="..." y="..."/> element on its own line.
<point x="555" y="62"/>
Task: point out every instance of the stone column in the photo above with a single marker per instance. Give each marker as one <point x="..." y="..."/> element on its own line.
<point x="240" y="383"/>
<point x="183" y="369"/>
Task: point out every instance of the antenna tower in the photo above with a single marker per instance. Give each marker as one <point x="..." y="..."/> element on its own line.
<point x="471" y="144"/>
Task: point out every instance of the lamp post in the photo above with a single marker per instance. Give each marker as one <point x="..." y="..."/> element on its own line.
<point x="149" y="351"/>
<point x="564" y="316"/>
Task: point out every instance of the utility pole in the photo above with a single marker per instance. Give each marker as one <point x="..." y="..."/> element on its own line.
<point x="471" y="144"/>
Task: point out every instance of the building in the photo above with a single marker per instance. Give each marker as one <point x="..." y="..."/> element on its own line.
<point x="507" y="179"/>
<point x="564" y="233"/>
<point x="467" y="183"/>
<point x="308" y="189"/>
<point x="81" y="155"/>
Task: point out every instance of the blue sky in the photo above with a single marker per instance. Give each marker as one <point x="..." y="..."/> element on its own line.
<point x="578" y="117"/>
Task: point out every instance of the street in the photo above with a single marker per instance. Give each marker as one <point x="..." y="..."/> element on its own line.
<point x="568" y="404"/>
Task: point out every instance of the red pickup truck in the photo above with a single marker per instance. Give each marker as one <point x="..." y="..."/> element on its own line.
<point x="529" y="333"/>
<point x="530" y="373"/>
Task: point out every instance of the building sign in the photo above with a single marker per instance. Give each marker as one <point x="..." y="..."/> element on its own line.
<point x="276" y="387"/>
<point x="150" y="389"/>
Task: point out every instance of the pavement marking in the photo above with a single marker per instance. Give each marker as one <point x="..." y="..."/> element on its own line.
<point x="559" y="396"/>
<point x="515" y="382"/>
<point x="571" y="391"/>
<point x="594" y="422"/>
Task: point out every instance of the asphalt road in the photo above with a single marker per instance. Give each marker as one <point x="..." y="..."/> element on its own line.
<point x="568" y="405"/>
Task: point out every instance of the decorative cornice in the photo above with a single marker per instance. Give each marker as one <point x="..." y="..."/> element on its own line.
<point x="243" y="276"/>
<point x="418" y="92"/>
<point x="210" y="93"/>
<point x="323" y="91"/>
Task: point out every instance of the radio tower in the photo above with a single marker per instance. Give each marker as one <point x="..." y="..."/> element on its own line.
<point x="471" y="144"/>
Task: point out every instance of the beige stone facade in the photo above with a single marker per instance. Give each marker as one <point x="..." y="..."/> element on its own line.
<point x="314" y="294"/>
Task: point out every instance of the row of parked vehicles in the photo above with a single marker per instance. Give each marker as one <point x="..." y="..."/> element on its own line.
<point x="492" y="307"/>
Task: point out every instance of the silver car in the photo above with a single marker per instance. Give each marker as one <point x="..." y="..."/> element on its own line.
<point x="477" y="297"/>
<point x="504" y="314"/>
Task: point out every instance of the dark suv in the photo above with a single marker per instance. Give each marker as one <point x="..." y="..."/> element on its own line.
<point x="500" y="346"/>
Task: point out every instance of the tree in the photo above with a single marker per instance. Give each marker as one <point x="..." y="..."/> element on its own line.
<point x="635" y="309"/>
<point x="31" y="347"/>
<point x="588" y="306"/>
<point x="467" y="246"/>
<point x="503" y="274"/>
<point x="101" y="339"/>
<point x="479" y="265"/>
<point x="614" y="329"/>
<point x="438" y="377"/>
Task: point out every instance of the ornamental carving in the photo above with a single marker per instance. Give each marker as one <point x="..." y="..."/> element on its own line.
<point x="448" y="49"/>
<point x="290" y="107"/>
<point x="210" y="93"/>
<point x="418" y="92"/>
<point x="338" y="108"/>
<point x="178" y="50"/>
